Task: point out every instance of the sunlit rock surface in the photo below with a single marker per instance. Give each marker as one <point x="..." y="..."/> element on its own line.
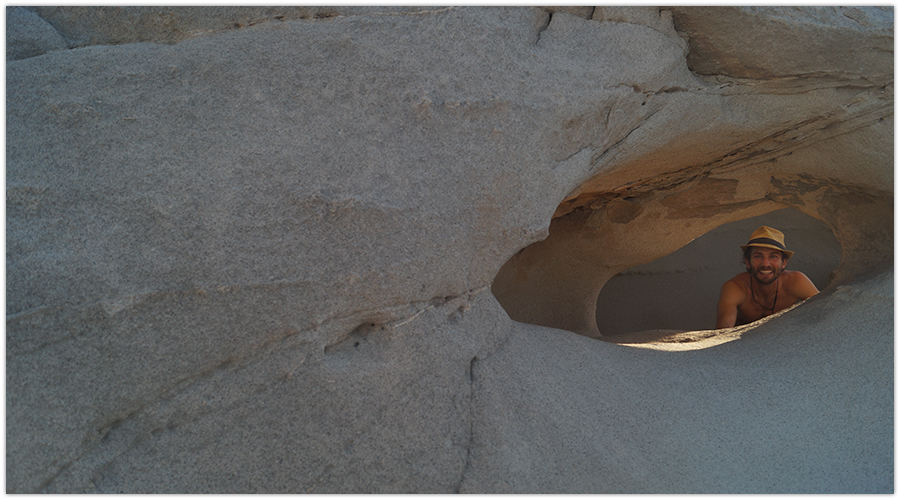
<point x="359" y="250"/>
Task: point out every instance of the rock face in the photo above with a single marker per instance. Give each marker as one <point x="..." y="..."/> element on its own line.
<point x="314" y="250"/>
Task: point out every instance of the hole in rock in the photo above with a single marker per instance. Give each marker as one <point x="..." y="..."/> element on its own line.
<point x="569" y="280"/>
<point x="679" y="291"/>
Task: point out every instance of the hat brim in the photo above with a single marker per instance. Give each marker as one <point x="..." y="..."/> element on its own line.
<point x="787" y="252"/>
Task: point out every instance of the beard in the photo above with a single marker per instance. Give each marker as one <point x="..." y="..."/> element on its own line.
<point x="765" y="274"/>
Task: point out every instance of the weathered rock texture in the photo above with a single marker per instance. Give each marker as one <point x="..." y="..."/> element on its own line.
<point x="254" y="249"/>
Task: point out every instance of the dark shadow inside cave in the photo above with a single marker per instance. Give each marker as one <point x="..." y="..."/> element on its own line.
<point x="679" y="291"/>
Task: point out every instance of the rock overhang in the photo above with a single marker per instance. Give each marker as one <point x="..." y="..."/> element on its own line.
<point x="220" y="215"/>
<point x="741" y="145"/>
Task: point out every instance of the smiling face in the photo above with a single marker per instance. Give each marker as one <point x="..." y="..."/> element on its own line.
<point x="764" y="264"/>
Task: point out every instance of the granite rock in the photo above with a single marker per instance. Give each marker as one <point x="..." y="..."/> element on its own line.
<point x="359" y="250"/>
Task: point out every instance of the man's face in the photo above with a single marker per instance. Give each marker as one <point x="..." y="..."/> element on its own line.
<point x="765" y="264"/>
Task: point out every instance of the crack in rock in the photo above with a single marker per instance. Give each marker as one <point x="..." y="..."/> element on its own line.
<point x="471" y="441"/>
<point x="390" y="318"/>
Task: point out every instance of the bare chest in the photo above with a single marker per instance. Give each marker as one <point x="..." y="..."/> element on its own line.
<point x="757" y="307"/>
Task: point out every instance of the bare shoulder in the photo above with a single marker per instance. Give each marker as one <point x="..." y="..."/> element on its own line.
<point x="734" y="289"/>
<point x="792" y="277"/>
<point x="799" y="284"/>
<point x="738" y="281"/>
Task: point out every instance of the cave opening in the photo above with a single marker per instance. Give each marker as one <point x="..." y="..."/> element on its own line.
<point x="678" y="292"/>
<point x="651" y="264"/>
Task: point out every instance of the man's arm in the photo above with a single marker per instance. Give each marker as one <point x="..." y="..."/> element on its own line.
<point x="730" y="298"/>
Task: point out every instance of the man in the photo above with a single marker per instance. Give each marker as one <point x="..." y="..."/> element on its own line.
<point x="766" y="287"/>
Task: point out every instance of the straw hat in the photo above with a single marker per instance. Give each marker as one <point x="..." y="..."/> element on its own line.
<point x="767" y="237"/>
